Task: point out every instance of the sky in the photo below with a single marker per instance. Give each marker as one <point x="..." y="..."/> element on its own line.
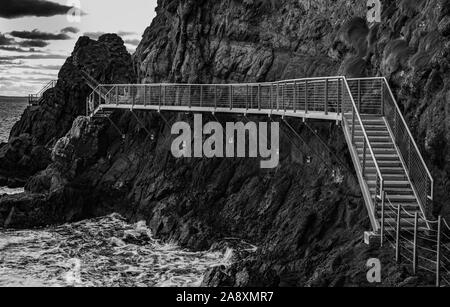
<point x="36" y="36"/>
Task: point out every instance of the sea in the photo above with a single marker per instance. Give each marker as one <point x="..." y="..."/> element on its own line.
<point x="102" y="252"/>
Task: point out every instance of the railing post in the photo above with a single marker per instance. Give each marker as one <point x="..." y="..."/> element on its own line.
<point x="416" y="226"/>
<point x="189" y="96"/>
<point x="215" y="97"/>
<point x="382" y="98"/>
<point x="145" y="95"/>
<point x="231" y="97"/>
<point x="278" y="97"/>
<point x="306" y="96"/>
<point x="201" y="95"/>
<point x="160" y="96"/>
<point x="359" y="96"/>
<point x="438" y="253"/>
<point x="339" y="89"/>
<point x="326" y="97"/>
<point x="364" y="157"/>
<point x="383" y="199"/>
<point x="353" y="125"/>
<point x="295" y="97"/>
<point x="117" y="95"/>
<point x="397" y="241"/>
<point x="271" y="98"/>
<point x="284" y="97"/>
<point x="259" y="97"/>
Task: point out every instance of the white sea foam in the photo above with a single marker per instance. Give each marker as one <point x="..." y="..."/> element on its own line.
<point x="100" y="252"/>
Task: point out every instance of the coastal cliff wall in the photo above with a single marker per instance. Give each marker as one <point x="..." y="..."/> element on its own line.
<point x="307" y="216"/>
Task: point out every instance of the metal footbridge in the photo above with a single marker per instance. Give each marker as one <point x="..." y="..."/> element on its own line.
<point x="396" y="184"/>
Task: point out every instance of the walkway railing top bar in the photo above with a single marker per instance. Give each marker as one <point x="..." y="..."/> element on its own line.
<point x="315" y="79"/>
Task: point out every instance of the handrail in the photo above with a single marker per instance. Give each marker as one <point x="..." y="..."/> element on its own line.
<point x="366" y="137"/>
<point x="410" y="136"/>
<point x="32" y="98"/>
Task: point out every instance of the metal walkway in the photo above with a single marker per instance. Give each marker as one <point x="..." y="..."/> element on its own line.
<point x="387" y="160"/>
<point x="396" y="184"/>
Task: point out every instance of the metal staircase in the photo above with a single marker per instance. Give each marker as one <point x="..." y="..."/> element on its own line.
<point x="36" y="99"/>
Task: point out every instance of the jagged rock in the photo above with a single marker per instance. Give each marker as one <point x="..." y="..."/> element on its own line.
<point x="39" y="128"/>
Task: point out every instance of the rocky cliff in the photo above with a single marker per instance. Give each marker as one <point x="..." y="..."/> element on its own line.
<point x="307" y="216"/>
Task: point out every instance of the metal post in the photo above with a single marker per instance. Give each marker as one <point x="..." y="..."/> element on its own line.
<point x="416" y="224"/>
<point x="383" y="199"/>
<point x="326" y="97"/>
<point x="438" y="254"/>
<point x="353" y="125"/>
<point x="271" y="98"/>
<point x="259" y="97"/>
<point x="364" y="157"/>
<point x="359" y="96"/>
<point x="397" y="241"/>
<point x="215" y="97"/>
<point x="306" y="96"/>
<point x="339" y="99"/>
<point x="295" y="97"/>
<point x="285" y="98"/>
<point x="382" y="99"/>
<point x="201" y="95"/>
<point x="278" y="97"/>
<point x="160" y="96"/>
<point x="145" y="95"/>
<point x="246" y="98"/>
<point x="231" y="98"/>
<point x="117" y="95"/>
<point x="189" y="96"/>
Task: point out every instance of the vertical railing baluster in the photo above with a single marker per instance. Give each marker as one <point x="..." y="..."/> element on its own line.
<point x="117" y="95"/>
<point x="353" y="125"/>
<point x="438" y="253"/>
<point x="231" y="97"/>
<point x="259" y="97"/>
<point x="306" y="96"/>
<point x="383" y="200"/>
<point x="364" y="156"/>
<point x="295" y="97"/>
<point x="201" y="95"/>
<point x="145" y="95"/>
<point x="359" y="96"/>
<point x="326" y="97"/>
<point x="416" y="226"/>
<point x="215" y="97"/>
<point x="397" y="241"/>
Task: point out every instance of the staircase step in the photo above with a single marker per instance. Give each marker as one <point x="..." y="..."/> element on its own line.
<point x="360" y="144"/>
<point x="393" y="184"/>
<point x="373" y="139"/>
<point x="384" y="164"/>
<point x="379" y="150"/>
<point x="386" y="176"/>
<point x="395" y="191"/>
<point x="371" y="133"/>
<point x="371" y="127"/>
<point x="381" y="157"/>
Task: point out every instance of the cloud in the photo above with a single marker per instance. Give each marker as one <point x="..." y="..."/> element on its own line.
<point x="133" y="42"/>
<point x="17" y="49"/>
<point x="124" y="33"/>
<point x="34" y="43"/>
<point x="5" y="41"/>
<point x="70" y="30"/>
<point x="32" y="57"/>
<point x="36" y="34"/>
<point x="40" y="8"/>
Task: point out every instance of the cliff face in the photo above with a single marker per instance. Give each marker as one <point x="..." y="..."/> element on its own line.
<point x="40" y="127"/>
<point x="307" y="216"/>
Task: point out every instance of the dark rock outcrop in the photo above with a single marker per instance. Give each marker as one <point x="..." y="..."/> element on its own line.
<point x="39" y="128"/>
